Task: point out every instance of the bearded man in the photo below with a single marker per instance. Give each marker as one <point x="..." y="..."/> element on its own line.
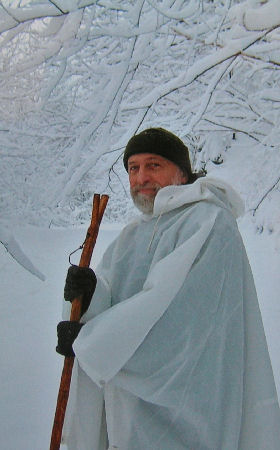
<point x="170" y="352"/>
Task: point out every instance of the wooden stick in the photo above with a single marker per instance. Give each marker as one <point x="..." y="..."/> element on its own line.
<point x="98" y="209"/>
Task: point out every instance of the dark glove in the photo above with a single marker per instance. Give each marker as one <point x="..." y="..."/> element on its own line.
<point x="67" y="331"/>
<point x="80" y="281"/>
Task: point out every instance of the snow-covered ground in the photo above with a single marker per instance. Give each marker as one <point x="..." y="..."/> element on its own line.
<point x="74" y="89"/>
<point x="31" y="308"/>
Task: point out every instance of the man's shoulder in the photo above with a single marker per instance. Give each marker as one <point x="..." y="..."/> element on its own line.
<point x="204" y="194"/>
<point x="203" y="209"/>
<point x="197" y="215"/>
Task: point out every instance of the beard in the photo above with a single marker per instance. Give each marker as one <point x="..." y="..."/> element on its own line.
<point x="145" y="203"/>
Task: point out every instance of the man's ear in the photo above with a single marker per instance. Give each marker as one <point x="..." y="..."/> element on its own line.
<point x="185" y="178"/>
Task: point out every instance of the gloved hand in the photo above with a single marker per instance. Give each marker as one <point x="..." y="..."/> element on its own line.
<point x="80" y="281"/>
<point x="67" y="331"/>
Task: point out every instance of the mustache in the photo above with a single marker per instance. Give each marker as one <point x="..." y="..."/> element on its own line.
<point x="148" y="185"/>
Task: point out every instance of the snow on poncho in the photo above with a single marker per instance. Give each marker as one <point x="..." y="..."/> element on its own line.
<point x="173" y="355"/>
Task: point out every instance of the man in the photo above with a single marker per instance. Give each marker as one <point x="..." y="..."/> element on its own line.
<point x="171" y="354"/>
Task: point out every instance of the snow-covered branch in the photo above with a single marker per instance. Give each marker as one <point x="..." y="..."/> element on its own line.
<point x="10" y="17"/>
<point x="14" y="249"/>
<point x="78" y="78"/>
<point x="257" y="15"/>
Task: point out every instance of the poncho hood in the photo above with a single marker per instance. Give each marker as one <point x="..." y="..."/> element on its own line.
<point x="209" y="189"/>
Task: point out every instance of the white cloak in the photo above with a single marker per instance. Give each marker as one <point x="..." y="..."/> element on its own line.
<point x="173" y="354"/>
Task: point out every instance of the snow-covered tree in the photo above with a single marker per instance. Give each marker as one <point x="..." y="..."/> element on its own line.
<point x="80" y="77"/>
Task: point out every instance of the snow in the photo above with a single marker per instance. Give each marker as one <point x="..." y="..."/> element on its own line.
<point x="234" y="47"/>
<point x="99" y="76"/>
<point x="76" y="87"/>
<point x="12" y="246"/>
<point x="256" y="15"/>
<point x="184" y="13"/>
<point x="31" y="309"/>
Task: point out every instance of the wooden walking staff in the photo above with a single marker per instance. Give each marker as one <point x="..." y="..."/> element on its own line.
<point x="99" y="205"/>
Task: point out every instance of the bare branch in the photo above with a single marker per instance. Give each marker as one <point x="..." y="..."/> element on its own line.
<point x="264" y="196"/>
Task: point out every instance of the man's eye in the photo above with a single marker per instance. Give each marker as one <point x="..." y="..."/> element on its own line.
<point x="132" y="168"/>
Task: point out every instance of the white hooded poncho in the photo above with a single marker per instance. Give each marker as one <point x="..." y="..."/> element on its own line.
<point x="173" y="355"/>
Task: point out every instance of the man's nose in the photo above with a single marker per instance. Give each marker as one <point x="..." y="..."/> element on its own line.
<point x="143" y="176"/>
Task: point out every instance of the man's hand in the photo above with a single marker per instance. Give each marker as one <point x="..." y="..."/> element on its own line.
<point x="67" y="331"/>
<point x="80" y="281"/>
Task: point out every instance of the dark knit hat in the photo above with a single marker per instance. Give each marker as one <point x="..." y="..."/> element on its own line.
<point x="164" y="143"/>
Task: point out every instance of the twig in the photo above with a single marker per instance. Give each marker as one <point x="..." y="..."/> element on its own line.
<point x="264" y="196"/>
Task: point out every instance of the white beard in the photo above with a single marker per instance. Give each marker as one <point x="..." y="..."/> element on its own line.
<point x="144" y="202"/>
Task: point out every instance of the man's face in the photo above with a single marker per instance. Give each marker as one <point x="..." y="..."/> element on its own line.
<point x="148" y="173"/>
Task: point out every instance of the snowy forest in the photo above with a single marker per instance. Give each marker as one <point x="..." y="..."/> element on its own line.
<point x="78" y="79"/>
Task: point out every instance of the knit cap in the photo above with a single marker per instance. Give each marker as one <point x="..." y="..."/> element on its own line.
<point x="160" y="142"/>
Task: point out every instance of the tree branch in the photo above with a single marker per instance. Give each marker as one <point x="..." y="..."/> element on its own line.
<point x="264" y="196"/>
